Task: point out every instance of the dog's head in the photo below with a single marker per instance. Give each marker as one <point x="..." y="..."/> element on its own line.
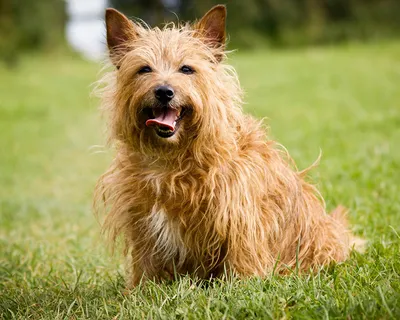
<point x="170" y="85"/>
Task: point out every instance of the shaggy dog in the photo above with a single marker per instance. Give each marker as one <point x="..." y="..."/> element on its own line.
<point x="196" y="186"/>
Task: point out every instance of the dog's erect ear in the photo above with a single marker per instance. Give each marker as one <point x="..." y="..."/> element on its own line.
<point x="212" y="26"/>
<point x="119" y="31"/>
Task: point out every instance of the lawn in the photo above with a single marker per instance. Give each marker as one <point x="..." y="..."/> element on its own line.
<point x="54" y="263"/>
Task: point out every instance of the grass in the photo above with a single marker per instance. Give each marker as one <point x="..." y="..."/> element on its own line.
<point x="53" y="262"/>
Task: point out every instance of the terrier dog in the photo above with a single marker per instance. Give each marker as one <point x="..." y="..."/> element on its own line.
<point x="196" y="187"/>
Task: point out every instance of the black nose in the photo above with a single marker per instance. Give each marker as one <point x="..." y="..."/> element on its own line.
<point x="164" y="94"/>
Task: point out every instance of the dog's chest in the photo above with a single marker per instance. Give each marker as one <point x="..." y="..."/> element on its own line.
<point x="166" y="233"/>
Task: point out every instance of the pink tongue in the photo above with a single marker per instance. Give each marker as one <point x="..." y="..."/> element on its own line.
<point x="165" y="117"/>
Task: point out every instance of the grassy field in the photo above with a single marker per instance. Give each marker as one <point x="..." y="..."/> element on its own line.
<point x="54" y="264"/>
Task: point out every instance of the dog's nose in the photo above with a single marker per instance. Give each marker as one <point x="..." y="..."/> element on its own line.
<point x="164" y="94"/>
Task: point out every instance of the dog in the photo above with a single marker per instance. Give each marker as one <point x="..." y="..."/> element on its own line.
<point x="196" y="187"/>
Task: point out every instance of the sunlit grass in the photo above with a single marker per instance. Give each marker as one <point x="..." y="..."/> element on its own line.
<point x="344" y="101"/>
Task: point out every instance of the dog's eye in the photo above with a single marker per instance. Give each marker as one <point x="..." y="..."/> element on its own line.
<point x="186" y="70"/>
<point x="145" y="69"/>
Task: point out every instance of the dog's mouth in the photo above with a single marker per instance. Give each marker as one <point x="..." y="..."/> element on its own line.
<point x="165" y="120"/>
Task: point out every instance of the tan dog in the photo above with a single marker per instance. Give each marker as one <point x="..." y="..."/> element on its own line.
<point x="196" y="186"/>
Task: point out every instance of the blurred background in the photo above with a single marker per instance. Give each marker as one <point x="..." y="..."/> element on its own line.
<point x="48" y="24"/>
<point x="326" y="73"/>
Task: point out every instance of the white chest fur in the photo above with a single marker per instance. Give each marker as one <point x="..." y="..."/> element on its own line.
<point x="168" y="240"/>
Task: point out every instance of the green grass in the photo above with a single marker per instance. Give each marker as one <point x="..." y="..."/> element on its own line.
<point x="54" y="264"/>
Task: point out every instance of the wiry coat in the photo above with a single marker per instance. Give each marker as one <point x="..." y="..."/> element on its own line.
<point x="218" y="194"/>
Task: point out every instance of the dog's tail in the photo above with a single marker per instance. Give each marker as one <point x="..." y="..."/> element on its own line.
<point x="355" y="243"/>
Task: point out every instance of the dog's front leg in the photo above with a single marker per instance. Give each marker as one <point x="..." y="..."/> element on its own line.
<point x="139" y="270"/>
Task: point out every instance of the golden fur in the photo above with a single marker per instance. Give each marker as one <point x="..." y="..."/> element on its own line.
<point x="218" y="195"/>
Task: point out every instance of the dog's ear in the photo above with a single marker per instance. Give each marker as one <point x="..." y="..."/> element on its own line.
<point x="212" y="27"/>
<point x="120" y="30"/>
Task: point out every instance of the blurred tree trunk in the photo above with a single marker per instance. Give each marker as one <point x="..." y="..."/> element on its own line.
<point x="316" y="19"/>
